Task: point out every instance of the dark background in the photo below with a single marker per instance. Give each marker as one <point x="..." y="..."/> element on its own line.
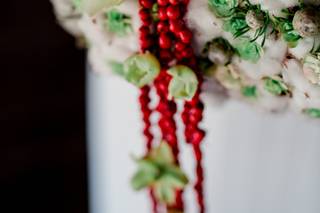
<point x="42" y="113"/>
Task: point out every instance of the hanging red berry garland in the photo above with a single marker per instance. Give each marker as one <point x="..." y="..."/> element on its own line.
<point x="193" y="110"/>
<point x="173" y="46"/>
<point x="144" y="99"/>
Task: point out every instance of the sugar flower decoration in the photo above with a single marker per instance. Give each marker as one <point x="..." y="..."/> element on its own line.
<point x="141" y="69"/>
<point x="184" y="82"/>
<point x="159" y="171"/>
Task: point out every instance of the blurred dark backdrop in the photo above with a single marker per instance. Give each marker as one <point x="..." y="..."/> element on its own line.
<point x="42" y="113"/>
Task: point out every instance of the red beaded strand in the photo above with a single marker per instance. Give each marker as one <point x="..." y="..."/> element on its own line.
<point x="174" y="42"/>
<point x="144" y="99"/>
<point x="171" y="16"/>
<point x="167" y="108"/>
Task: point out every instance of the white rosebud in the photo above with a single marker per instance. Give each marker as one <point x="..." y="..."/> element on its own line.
<point x="254" y="20"/>
<point x="218" y="56"/>
<point x="228" y="77"/>
<point x="311" y="68"/>
<point x="307" y="22"/>
<point x="220" y="51"/>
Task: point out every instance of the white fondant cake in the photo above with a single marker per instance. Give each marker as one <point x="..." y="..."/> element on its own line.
<point x="255" y="162"/>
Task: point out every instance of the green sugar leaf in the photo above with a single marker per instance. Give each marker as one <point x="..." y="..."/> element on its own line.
<point x="118" y="22"/>
<point x="275" y="87"/>
<point x="312" y="112"/>
<point x="158" y="169"/>
<point x="162" y="154"/>
<point x="147" y="174"/>
<point x="236" y="25"/>
<point x="249" y="91"/>
<point x="285" y="27"/>
<point x="249" y="50"/>
<point x="223" y="8"/>
<point x="165" y="193"/>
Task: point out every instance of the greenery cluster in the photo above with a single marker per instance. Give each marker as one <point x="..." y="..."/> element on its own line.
<point x="118" y="23"/>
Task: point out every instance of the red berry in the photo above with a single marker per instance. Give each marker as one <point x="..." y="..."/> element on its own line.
<point x="164" y="124"/>
<point x="162" y="27"/>
<point x="146" y="43"/>
<point x="195" y="116"/>
<point x="162" y="13"/>
<point x="185" y="117"/>
<point x="176" y="26"/>
<point x="178" y="55"/>
<point x="146" y="3"/>
<point x="173" y="12"/>
<point x="162" y="2"/>
<point x="174" y="2"/>
<point x="161" y="88"/>
<point x="170" y="138"/>
<point x="147" y="22"/>
<point x="164" y="41"/>
<point x="187" y="53"/>
<point x="144" y="14"/>
<point x="185" y="36"/>
<point x="144" y="32"/>
<point x="197" y="137"/>
<point x="166" y="55"/>
<point x="179" y="46"/>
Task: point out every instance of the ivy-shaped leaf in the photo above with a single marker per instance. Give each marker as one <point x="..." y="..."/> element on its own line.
<point x="275" y="86"/>
<point x="162" y="154"/>
<point x="312" y="112"/>
<point x="147" y="174"/>
<point x="184" y="83"/>
<point x="159" y="171"/>
<point x="141" y="69"/>
<point x="154" y="12"/>
<point x="285" y="27"/>
<point x="249" y="50"/>
<point x="94" y="6"/>
<point x="118" y="22"/>
<point x="249" y="91"/>
<point x="236" y="25"/>
<point x="223" y="8"/>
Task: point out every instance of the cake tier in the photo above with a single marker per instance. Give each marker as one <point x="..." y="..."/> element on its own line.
<point x="253" y="162"/>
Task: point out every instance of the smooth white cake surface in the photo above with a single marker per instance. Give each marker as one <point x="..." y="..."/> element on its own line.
<point x="254" y="162"/>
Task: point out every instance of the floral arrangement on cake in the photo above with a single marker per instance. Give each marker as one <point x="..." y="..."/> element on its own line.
<point x="266" y="53"/>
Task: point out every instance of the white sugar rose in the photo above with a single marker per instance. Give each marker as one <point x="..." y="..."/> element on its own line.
<point x="311" y="68"/>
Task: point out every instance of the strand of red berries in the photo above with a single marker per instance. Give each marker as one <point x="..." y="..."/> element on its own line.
<point x="146" y="41"/>
<point x="173" y="28"/>
<point x="175" y="43"/>
<point x="167" y="108"/>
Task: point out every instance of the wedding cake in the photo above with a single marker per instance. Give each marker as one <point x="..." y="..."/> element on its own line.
<point x="246" y="72"/>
